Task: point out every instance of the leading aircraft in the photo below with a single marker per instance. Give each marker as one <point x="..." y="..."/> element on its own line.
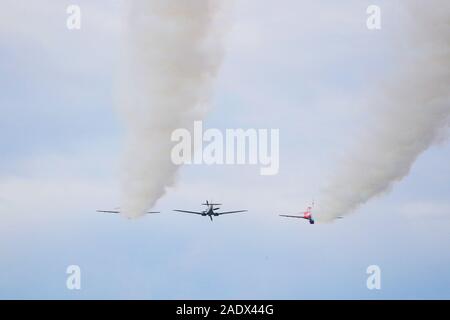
<point x="210" y="211"/>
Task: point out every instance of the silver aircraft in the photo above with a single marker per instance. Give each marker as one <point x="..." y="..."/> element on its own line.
<point x="117" y="211"/>
<point x="211" y="211"/>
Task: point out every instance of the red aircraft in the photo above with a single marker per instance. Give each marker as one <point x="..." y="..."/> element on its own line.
<point x="307" y="215"/>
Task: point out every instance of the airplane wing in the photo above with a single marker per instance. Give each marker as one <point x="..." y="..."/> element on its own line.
<point x="193" y="212"/>
<point x="229" y="212"/>
<point x="288" y="216"/>
<point x="107" y="211"/>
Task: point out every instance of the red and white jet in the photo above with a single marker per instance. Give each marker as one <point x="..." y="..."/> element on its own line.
<point x="307" y="215"/>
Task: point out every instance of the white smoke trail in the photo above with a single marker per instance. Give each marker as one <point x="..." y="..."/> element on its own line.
<point x="172" y="51"/>
<point x="409" y="114"/>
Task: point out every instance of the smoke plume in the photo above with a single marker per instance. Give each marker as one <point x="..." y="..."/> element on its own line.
<point x="410" y="112"/>
<point x="171" y="53"/>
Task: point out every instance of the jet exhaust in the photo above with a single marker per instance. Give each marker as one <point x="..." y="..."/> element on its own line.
<point x="172" y="50"/>
<point x="410" y="113"/>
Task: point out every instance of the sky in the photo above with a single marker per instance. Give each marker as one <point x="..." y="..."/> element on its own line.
<point x="306" y="68"/>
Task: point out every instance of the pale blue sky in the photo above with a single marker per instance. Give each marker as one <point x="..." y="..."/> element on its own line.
<point x="305" y="67"/>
